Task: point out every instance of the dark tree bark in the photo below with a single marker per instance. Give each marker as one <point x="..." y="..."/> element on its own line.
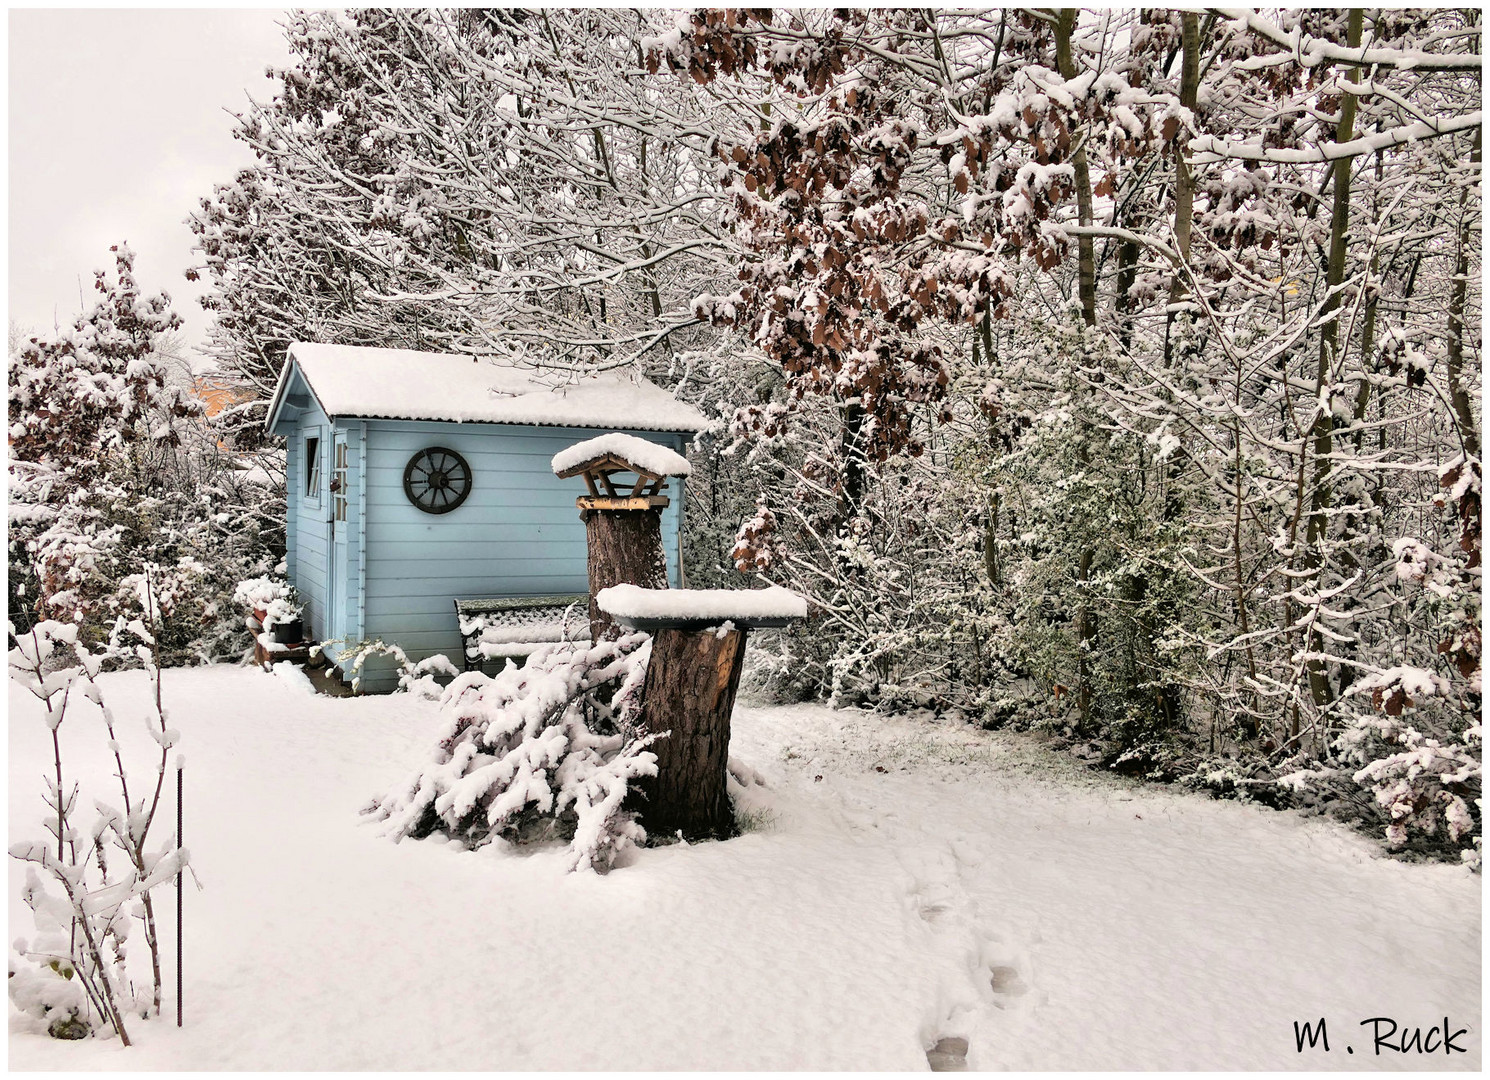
<point x="1324" y="423"/>
<point x="1086" y="250"/>
<point x="625" y="548"/>
<point x="1086" y="288"/>
<point x="1469" y="431"/>
<point x="690" y="691"/>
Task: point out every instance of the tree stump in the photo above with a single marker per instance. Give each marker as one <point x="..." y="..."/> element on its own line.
<point x="698" y="648"/>
<point x="690" y="692"/>
<point x="625" y="548"/>
<point x="698" y="635"/>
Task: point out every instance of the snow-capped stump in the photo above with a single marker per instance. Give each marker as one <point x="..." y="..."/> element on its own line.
<point x="698" y="645"/>
<point x="623" y="528"/>
<point x="694" y="609"/>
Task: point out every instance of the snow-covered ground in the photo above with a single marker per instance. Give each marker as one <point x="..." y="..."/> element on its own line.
<point x="903" y="881"/>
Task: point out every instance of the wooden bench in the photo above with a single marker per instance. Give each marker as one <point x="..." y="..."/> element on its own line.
<point x="517" y="625"/>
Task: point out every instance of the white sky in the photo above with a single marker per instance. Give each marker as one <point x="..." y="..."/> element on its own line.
<point x="116" y="129"/>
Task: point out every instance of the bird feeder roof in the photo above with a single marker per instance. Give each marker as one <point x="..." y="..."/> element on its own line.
<point x="619" y="452"/>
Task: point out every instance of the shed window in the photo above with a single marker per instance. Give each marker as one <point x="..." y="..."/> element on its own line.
<point x="339" y="481"/>
<point x="312" y="468"/>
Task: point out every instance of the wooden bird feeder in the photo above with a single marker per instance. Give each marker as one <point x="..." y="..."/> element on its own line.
<point x="606" y="493"/>
<point x="623" y="517"/>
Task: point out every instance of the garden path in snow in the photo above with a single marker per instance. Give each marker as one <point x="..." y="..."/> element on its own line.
<point x="905" y="883"/>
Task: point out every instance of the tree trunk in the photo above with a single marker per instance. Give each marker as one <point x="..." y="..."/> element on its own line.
<point x="1324" y="423"/>
<point x="1469" y="431"/>
<point x="853" y="459"/>
<point x="1086" y="287"/>
<point x="1086" y="252"/>
<point x="625" y="548"/>
<point x="690" y="691"/>
<point x="1127" y="275"/>
<point x="1184" y="186"/>
<point x="1085" y="631"/>
<point x="990" y="540"/>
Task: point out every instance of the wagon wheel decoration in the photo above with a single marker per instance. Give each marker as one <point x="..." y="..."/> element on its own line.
<point x="437" y="480"/>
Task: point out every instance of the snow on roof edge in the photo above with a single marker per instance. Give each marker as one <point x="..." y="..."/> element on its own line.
<point x="363" y="382"/>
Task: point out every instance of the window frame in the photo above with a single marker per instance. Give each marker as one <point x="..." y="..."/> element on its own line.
<point x="311" y="470"/>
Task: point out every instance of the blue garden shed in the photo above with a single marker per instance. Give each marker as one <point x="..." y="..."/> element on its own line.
<point x="417" y="479"/>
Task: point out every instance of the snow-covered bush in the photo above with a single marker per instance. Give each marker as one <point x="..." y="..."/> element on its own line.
<point x="49" y="990"/>
<point x="86" y="885"/>
<point x="540" y="752"/>
<point x="112" y="465"/>
<point x="413" y="678"/>
<point x="258" y="593"/>
<point x="273" y="602"/>
<point x="1423" y="784"/>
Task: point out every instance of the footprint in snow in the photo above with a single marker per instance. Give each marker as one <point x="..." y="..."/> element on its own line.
<point x="948" y="1055"/>
<point x="932" y="911"/>
<point x="1006" y="981"/>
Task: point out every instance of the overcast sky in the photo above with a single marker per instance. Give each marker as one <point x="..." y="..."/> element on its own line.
<point x="116" y="129"/>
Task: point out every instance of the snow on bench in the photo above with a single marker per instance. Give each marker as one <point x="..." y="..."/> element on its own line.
<point x="649" y="609"/>
<point x="499" y="627"/>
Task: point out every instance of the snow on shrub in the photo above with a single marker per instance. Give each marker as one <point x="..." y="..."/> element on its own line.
<point x="413" y="678"/>
<point x="84" y="897"/>
<point x="258" y="593"/>
<point x="1427" y="784"/>
<point x="48" y="991"/>
<point x="544" y="751"/>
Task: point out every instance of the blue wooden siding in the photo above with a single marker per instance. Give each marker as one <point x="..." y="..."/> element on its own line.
<point x="308" y="571"/>
<point x="518" y="533"/>
<point x="345" y="537"/>
<point x="292" y="512"/>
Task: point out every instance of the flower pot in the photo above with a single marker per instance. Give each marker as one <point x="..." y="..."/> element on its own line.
<point x="289" y="633"/>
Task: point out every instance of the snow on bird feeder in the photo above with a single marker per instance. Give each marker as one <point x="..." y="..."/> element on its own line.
<point x="698" y="647"/>
<point x="623" y="518"/>
<point x="601" y="459"/>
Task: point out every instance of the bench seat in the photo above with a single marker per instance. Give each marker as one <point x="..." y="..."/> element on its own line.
<point x="497" y="627"/>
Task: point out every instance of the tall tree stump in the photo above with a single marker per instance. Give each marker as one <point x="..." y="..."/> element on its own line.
<point x="698" y="647"/>
<point x="690" y="690"/>
<point x="698" y="635"/>
<point x="625" y="549"/>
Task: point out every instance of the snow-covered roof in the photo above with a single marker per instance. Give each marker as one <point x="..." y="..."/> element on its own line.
<point x="638" y="605"/>
<point x="402" y="384"/>
<point x="640" y="454"/>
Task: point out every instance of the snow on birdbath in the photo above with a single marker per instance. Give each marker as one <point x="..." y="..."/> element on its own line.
<point x="650" y="609"/>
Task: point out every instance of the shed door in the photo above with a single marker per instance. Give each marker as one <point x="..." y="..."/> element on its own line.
<point x="336" y="599"/>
